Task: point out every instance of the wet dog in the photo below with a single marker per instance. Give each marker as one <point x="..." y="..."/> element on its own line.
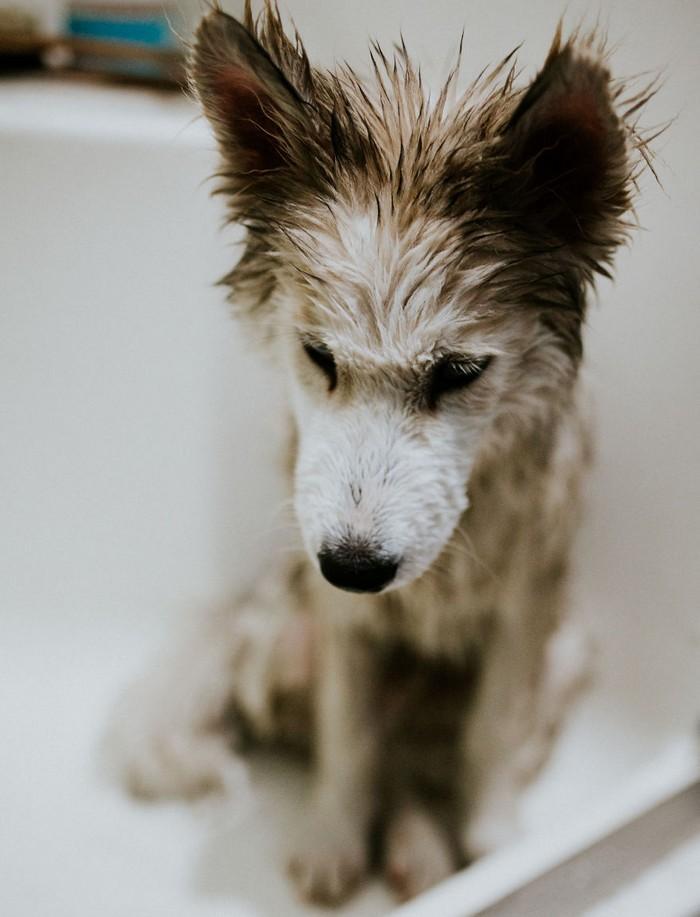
<point x="419" y="265"/>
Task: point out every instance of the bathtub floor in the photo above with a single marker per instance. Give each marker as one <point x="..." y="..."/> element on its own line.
<point x="72" y="845"/>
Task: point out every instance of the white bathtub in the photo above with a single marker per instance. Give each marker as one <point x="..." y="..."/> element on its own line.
<point x="138" y="474"/>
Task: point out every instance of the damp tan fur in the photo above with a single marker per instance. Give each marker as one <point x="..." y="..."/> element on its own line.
<point x="419" y="263"/>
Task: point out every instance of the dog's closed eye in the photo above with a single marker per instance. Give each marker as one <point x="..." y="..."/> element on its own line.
<point x="322" y="357"/>
<point x="452" y="374"/>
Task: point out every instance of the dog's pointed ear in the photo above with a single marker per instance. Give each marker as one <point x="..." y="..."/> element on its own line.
<point x="258" y="115"/>
<point x="564" y="151"/>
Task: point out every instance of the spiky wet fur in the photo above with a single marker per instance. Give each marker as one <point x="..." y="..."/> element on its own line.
<point x="399" y="228"/>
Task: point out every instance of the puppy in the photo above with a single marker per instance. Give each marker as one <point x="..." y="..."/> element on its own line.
<point x="419" y="265"/>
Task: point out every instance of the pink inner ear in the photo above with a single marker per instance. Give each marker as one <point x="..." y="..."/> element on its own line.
<point x="252" y="120"/>
<point x="578" y="112"/>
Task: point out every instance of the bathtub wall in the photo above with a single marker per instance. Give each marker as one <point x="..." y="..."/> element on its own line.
<point x="137" y="439"/>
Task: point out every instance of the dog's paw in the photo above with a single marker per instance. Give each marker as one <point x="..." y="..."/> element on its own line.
<point x="489" y="829"/>
<point x="418" y="854"/>
<point x="153" y="757"/>
<point x="329" y="859"/>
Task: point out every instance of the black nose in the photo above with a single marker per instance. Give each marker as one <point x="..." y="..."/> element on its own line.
<point x="357" y="568"/>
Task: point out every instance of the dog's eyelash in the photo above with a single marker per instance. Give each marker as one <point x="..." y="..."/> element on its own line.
<point x="451" y="375"/>
<point x="322" y="357"/>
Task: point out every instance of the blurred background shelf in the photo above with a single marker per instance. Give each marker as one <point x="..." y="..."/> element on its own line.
<point x="133" y="42"/>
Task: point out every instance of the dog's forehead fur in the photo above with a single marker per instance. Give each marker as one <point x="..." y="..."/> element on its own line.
<point x="376" y="290"/>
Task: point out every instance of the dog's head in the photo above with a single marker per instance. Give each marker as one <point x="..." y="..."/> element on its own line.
<point x="421" y="262"/>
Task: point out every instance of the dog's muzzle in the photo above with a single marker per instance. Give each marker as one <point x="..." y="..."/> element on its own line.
<point x="357" y="567"/>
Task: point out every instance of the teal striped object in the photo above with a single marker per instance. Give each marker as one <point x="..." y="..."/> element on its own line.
<point x="149" y="28"/>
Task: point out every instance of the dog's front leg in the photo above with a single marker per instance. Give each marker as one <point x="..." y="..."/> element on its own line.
<point x="166" y="737"/>
<point x="499" y="727"/>
<point x="330" y="854"/>
<point x="171" y="733"/>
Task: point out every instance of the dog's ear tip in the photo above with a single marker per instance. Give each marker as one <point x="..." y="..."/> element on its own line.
<point x="570" y="68"/>
<point x="211" y="22"/>
<point x="219" y="32"/>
